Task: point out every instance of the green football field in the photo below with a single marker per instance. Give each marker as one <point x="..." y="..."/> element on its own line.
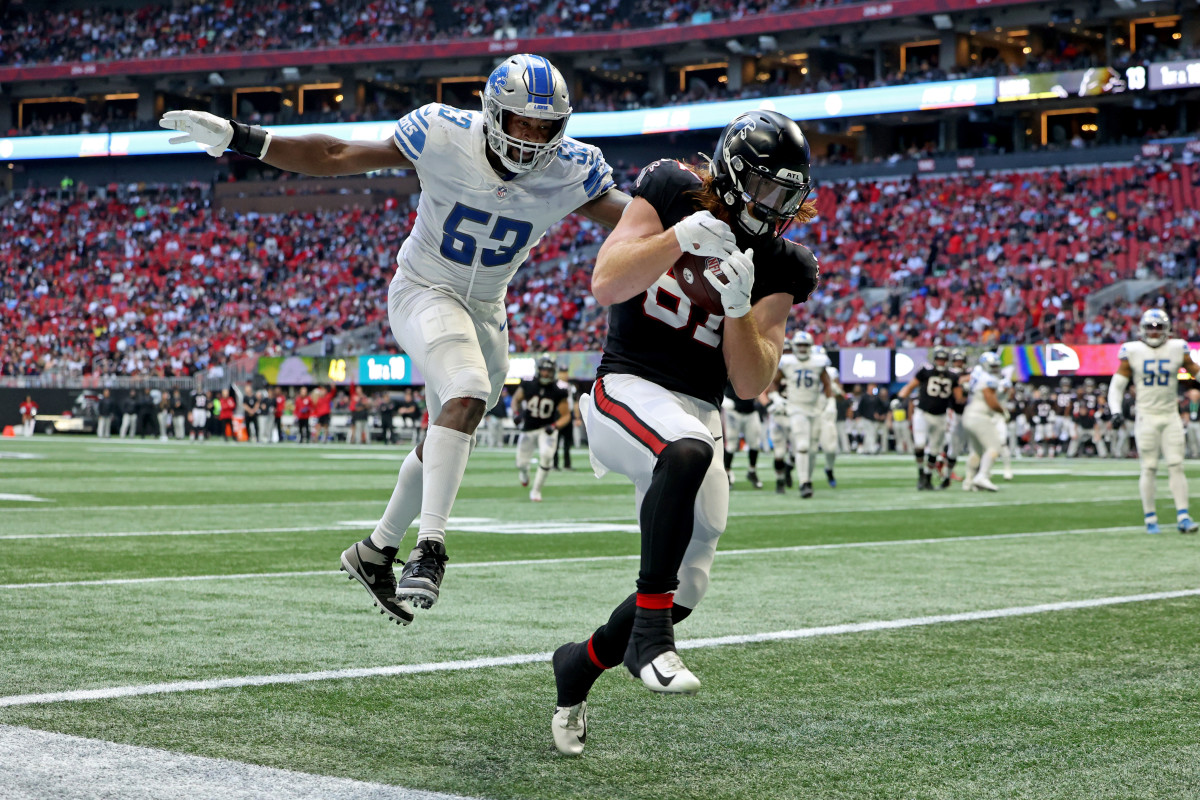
<point x="176" y="610"/>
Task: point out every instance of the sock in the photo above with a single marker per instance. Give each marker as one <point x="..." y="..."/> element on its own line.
<point x="728" y="460"/>
<point x="606" y="647"/>
<point x="753" y="455"/>
<point x="404" y="506"/>
<point x="1178" y="483"/>
<point x="780" y="468"/>
<point x="985" y="463"/>
<point x="950" y="462"/>
<point x="972" y="468"/>
<point x="540" y="479"/>
<point x="920" y="454"/>
<point x="575" y="670"/>
<point x="1146" y="486"/>
<point x="446" y="453"/>
<point x="803" y="466"/>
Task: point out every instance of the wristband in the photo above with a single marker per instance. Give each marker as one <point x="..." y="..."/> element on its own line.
<point x="249" y="140"/>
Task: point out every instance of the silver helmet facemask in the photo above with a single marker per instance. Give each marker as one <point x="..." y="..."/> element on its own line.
<point x="527" y="86"/>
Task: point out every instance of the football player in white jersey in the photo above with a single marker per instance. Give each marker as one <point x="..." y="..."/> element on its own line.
<point x="1005" y="426"/>
<point x="808" y="390"/>
<point x="492" y="183"/>
<point x="979" y="420"/>
<point x="828" y="435"/>
<point x="1153" y="365"/>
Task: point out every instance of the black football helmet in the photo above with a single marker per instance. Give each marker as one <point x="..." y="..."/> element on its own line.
<point x="762" y="171"/>
<point x="940" y="356"/>
<point x="546" y="368"/>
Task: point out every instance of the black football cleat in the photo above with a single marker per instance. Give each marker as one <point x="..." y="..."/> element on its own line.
<point x="806" y="490"/>
<point x="421" y="580"/>
<point x="752" y="476"/>
<point x="829" y="477"/>
<point x="372" y="567"/>
<point x="779" y="486"/>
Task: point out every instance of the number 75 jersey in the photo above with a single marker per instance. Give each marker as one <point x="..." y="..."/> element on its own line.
<point x="805" y="393"/>
<point x="474" y="226"/>
<point x="1155" y="375"/>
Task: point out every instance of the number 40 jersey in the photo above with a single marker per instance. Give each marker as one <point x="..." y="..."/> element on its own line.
<point x="1155" y="375"/>
<point x="475" y="226"/>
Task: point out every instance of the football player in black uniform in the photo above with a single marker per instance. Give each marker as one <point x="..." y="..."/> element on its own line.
<point x="741" y="422"/>
<point x="939" y="387"/>
<point x="1064" y="404"/>
<point x="956" y="435"/>
<point x="654" y="413"/>
<point x="544" y="411"/>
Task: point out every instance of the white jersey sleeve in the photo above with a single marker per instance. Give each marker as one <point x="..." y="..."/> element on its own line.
<point x="805" y="392"/>
<point x="476" y="226"/>
<point x="1155" y="375"/>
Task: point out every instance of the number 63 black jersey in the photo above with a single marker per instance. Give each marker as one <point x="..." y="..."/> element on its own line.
<point x="659" y="335"/>
<point x="937" y="388"/>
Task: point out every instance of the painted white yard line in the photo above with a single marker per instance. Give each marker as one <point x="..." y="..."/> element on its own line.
<point x="114" y="692"/>
<point x="209" y="532"/>
<point x="807" y="510"/>
<point x="524" y="562"/>
<point x="37" y="764"/>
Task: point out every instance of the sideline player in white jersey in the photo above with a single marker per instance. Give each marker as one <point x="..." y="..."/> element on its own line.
<point x="1005" y="426"/>
<point x="979" y="419"/>
<point x="492" y="183"/>
<point x="808" y="389"/>
<point x="828" y="434"/>
<point x="1153" y="365"/>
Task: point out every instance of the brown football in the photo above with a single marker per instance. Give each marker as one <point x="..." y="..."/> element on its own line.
<point x="689" y="274"/>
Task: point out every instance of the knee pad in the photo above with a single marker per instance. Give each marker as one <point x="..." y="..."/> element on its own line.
<point x="467" y="381"/>
<point x="686" y="461"/>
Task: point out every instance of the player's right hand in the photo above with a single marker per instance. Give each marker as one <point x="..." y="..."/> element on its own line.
<point x="212" y="132"/>
<point x="1118" y="419"/>
<point x="702" y="234"/>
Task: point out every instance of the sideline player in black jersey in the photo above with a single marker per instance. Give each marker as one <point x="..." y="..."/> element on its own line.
<point x="939" y="387"/>
<point x="956" y="435"/>
<point x="544" y="411"/>
<point x="654" y="411"/>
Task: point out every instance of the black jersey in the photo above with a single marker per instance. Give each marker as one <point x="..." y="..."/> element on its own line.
<point x="541" y="403"/>
<point x="1040" y="412"/>
<point x="1085" y="409"/>
<point x="1063" y="403"/>
<point x="937" y="388"/>
<point x="739" y="405"/>
<point x="659" y="335"/>
<point x="955" y="405"/>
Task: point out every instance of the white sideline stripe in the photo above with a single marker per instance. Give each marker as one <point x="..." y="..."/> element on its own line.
<point x="796" y="548"/>
<point x="531" y="658"/>
<point x="486" y="526"/>
<point x="214" y="531"/>
<point x="37" y="764"/>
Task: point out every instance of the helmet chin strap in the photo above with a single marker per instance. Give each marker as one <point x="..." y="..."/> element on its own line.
<point x="752" y="226"/>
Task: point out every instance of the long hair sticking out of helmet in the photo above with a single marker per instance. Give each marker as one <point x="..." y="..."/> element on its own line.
<point x="1155" y="327"/>
<point x="528" y="86"/>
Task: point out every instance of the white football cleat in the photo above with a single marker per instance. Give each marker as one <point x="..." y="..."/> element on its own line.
<point x="982" y="482"/>
<point x="570" y="728"/>
<point x="1008" y="475"/>
<point x="535" y="496"/>
<point x="666" y="673"/>
<point x="523" y="474"/>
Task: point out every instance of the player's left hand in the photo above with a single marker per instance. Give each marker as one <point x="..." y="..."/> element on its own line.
<point x="209" y="130"/>
<point x="735" y="295"/>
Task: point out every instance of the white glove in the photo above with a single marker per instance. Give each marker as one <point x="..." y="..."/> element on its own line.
<point x="209" y="130"/>
<point x="702" y="234"/>
<point x="735" y="295"/>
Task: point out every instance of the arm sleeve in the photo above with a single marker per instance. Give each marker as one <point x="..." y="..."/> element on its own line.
<point x="412" y="132"/>
<point x="1116" y="390"/>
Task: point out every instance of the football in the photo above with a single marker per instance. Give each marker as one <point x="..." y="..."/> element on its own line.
<point x="689" y="274"/>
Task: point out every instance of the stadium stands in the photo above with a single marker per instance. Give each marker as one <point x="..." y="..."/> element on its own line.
<point x="156" y="282"/>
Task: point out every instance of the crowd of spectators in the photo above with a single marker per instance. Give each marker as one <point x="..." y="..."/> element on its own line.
<point x="1005" y="258"/>
<point x="34" y="35"/>
<point x="155" y="281"/>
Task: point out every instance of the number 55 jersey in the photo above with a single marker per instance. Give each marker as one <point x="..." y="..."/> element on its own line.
<point x="1155" y="375"/>
<point x="474" y="226"/>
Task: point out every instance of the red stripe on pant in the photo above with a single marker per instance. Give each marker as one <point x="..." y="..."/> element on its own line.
<point x="626" y="419"/>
